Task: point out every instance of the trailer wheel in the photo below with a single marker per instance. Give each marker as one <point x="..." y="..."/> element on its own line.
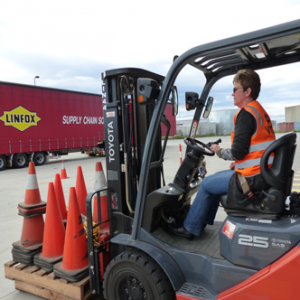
<point x="39" y="158"/>
<point x="20" y="160"/>
<point x="135" y="275"/>
<point x="3" y="162"/>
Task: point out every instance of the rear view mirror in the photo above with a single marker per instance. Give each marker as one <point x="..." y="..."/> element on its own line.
<point x="174" y="100"/>
<point x="208" y="107"/>
<point x="190" y="100"/>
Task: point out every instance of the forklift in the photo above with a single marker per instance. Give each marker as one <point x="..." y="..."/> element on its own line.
<point x="254" y="253"/>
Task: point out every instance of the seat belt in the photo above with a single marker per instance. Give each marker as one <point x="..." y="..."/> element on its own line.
<point x="246" y="189"/>
<point x="244" y="184"/>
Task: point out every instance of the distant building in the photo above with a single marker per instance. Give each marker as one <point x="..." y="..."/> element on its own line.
<point x="275" y="125"/>
<point x="204" y="128"/>
<point x="224" y="120"/>
<point x="292" y="113"/>
<point x="219" y="122"/>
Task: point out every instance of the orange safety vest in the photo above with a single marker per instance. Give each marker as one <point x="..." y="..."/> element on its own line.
<point x="260" y="140"/>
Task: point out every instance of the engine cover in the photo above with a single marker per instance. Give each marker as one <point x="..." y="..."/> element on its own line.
<point x="256" y="243"/>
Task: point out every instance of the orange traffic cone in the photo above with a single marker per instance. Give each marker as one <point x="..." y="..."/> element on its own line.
<point x="75" y="264"/>
<point x="54" y="234"/>
<point x="32" y="210"/>
<point x="81" y="191"/>
<point x="100" y="182"/>
<point x="63" y="172"/>
<point x="60" y="196"/>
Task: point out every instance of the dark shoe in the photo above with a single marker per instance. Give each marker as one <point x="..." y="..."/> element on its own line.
<point x="181" y="231"/>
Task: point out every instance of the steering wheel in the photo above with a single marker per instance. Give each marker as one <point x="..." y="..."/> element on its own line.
<point x="198" y="146"/>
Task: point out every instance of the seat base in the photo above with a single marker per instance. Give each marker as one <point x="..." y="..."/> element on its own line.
<point x="251" y="215"/>
<point x="249" y="211"/>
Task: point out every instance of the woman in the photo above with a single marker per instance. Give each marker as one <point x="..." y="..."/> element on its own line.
<point x="253" y="133"/>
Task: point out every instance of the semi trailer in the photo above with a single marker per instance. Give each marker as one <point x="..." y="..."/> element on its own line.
<point x="37" y="123"/>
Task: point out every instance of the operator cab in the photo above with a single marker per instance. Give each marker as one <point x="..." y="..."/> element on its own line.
<point x="170" y="203"/>
<point x="251" y="52"/>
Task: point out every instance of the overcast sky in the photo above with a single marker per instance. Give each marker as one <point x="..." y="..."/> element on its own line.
<point x="70" y="43"/>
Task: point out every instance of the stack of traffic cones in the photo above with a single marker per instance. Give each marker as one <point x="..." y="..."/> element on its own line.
<point x="60" y="197"/>
<point x="74" y="265"/>
<point x="100" y="183"/>
<point x="81" y="191"/>
<point x="63" y="172"/>
<point x="32" y="209"/>
<point x="54" y="234"/>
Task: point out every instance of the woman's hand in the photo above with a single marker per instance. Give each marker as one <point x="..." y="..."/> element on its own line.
<point x="214" y="148"/>
<point x="232" y="165"/>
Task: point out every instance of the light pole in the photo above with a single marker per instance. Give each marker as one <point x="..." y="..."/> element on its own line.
<point x="35" y="78"/>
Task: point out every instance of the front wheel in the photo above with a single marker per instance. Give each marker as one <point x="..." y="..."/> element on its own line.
<point x="135" y="275"/>
<point x="20" y="160"/>
<point x="39" y="158"/>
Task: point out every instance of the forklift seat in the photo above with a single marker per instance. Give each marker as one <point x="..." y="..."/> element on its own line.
<point x="279" y="177"/>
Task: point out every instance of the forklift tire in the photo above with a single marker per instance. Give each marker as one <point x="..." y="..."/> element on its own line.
<point x="20" y="160"/>
<point x="3" y="162"/>
<point x="39" y="158"/>
<point x="135" y="275"/>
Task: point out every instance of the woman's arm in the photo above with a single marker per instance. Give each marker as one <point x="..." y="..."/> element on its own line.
<point x="245" y="127"/>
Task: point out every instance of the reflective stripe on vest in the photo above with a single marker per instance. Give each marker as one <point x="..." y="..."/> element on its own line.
<point x="257" y="114"/>
<point x="259" y="147"/>
<point x="253" y="163"/>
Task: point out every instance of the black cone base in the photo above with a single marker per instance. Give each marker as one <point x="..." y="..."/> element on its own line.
<point x="46" y="263"/>
<point x="23" y="254"/>
<point x="72" y="276"/>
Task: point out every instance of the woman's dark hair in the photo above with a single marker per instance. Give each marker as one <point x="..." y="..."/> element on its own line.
<point x="249" y="79"/>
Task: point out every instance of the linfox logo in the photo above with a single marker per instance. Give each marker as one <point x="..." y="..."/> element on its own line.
<point x="20" y="118"/>
<point x="111" y="150"/>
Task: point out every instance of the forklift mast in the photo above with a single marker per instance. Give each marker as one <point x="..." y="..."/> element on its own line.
<point x="128" y="105"/>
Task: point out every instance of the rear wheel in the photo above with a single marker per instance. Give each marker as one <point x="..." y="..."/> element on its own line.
<point x="135" y="275"/>
<point x="3" y="162"/>
<point x="20" y="160"/>
<point x="39" y="158"/>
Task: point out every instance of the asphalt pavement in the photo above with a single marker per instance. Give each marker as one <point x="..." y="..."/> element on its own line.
<point x="13" y="184"/>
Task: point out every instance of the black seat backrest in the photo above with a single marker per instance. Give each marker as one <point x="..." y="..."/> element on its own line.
<point x="279" y="176"/>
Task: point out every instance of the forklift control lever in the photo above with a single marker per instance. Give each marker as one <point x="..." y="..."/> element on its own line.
<point x="217" y="142"/>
